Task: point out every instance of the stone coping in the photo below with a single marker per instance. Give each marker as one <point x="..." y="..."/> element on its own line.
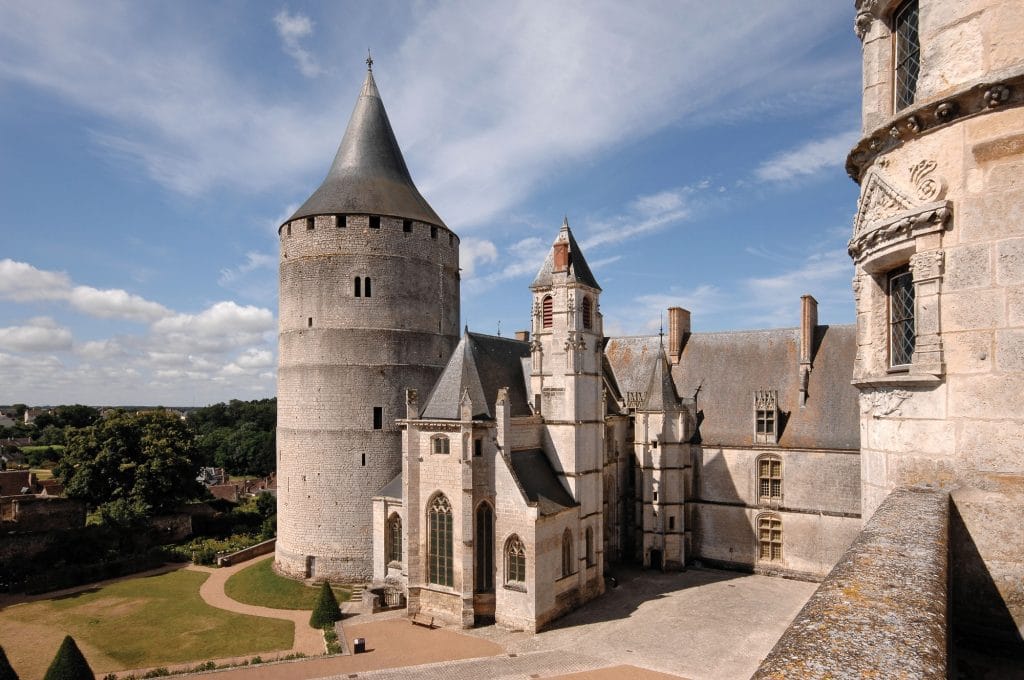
<point x="883" y="610"/>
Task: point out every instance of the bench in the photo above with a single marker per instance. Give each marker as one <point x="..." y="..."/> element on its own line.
<point x="422" y="620"/>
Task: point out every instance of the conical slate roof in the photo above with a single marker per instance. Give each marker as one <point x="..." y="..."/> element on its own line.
<point x="480" y="366"/>
<point x="369" y="175"/>
<point x="661" y="391"/>
<point x="579" y="271"/>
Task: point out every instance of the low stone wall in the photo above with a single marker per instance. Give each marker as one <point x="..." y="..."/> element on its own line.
<point x="883" y="610"/>
<point x="247" y="553"/>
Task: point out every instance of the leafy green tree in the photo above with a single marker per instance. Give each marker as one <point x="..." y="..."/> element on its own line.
<point x="130" y="465"/>
<point x="238" y="436"/>
<point x="326" y="610"/>
<point x="69" y="664"/>
<point x="6" y="670"/>
<point x="19" y="410"/>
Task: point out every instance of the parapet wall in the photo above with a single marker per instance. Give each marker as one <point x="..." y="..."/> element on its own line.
<point x="883" y="610"/>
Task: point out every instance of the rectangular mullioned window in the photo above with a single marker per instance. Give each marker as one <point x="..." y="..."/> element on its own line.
<point x="907" y="54"/>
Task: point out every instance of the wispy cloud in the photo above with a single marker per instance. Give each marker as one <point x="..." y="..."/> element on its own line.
<point x="293" y="28"/>
<point x="41" y="334"/>
<point x="808" y="159"/>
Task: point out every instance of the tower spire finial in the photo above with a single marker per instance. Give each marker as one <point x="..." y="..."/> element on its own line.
<point x="661" y="330"/>
<point x="369" y="60"/>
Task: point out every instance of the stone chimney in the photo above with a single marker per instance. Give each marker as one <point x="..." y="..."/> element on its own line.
<point x="808" y="326"/>
<point x="678" y="329"/>
<point x="523" y="335"/>
<point x="561" y="256"/>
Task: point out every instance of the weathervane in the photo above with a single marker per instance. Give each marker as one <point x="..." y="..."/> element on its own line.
<point x="369" y="60"/>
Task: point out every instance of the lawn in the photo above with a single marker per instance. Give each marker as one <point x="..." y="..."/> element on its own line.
<point x="136" y="623"/>
<point x="259" y="585"/>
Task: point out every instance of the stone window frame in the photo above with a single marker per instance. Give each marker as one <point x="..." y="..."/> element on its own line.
<point x="393" y="540"/>
<point x="899" y="359"/>
<point x="514" y="553"/>
<point x="440" y="445"/>
<point x="766" y="417"/>
<point x="769" y="474"/>
<point x="568" y="563"/>
<point x="547" y="311"/>
<point x="483" y="557"/>
<point x="769" y="537"/>
<point x="440" y="541"/>
<point x="587" y="312"/>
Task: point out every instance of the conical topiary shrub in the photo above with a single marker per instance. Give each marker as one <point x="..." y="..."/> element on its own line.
<point x="325" y="611"/>
<point x="6" y="671"/>
<point x="69" y="664"/>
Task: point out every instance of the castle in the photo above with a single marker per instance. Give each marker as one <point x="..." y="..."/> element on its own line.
<point x="492" y="478"/>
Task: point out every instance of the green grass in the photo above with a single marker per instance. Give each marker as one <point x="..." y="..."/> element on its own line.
<point x="259" y="585"/>
<point x="42" y="473"/>
<point x="141" y="622"/>
<point x="59" y="448"/>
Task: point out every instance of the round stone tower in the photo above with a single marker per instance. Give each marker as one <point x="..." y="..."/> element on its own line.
<point x="938" y="249"/>
<point x="369" y="306"/>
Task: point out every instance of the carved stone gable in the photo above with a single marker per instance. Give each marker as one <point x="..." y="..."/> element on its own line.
<point x="879" y="201"/>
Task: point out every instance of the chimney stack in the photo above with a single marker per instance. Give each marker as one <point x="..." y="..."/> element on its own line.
<point x="808" y="325"/>
<point x="523" y="335"/>
<point x="678" y="329"/>
<point x="561" y="256"/>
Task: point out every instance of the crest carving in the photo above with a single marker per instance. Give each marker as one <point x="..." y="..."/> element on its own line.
<point x="878" y="201"/>
<point x="930" y="187"/>
<point x="927" y="265"/>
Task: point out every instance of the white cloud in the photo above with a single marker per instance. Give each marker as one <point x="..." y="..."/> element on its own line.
<point x="808" y="159"/>
<point x="253" y="262"/>
<point x="475" y="251"/>
<point x="293" y="28"/>
<point x="115" y="304"/>
<point x="646" y="214"/>
<point x="41" y="334"/>
<point x="21" y="282"/>
<point x="219" y="328"/>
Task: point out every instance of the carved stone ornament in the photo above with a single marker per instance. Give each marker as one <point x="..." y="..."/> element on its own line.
<point x="930" y="187"/>
<point x="535" y="345"/>
<point x="857" y="285"/>
<point x="885" y="215"/>
<point x="766" y="400"/>
<point x="927" y="265"/>
<point x="865" y="16"/>
<point x="996" y="95"/>
<point x="925" y="117"/>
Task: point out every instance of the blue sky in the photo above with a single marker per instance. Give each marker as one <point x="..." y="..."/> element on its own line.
<point x="148" y="152"/>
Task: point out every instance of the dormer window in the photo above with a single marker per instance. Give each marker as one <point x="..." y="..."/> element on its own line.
<point x="766" y="417"/>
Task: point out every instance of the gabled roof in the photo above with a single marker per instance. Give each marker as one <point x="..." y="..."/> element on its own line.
<point x="538" y="480"/>
<point x="480" y="366"/>
<point x="579" y="270"/>
<point x="369" y="175"/>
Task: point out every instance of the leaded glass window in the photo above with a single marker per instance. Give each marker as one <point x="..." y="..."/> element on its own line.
<point x="902" y="334"/>
<point x="769" y="537"/>
<point x="439" y="542"/>
<point x="394" y="539"/>
<point x="908" y="53"/>
<point x="515" y="562"/>
<point x="769" y="479"/>
<point x="484" y="548"/>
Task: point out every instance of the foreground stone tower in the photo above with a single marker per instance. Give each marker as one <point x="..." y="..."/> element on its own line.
<point x="369" y="306"/>
<point x="938" y="246"/>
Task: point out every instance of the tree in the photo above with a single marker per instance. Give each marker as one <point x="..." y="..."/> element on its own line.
<point x="6" y="671"/>
<point x="326" y="610"/>
<point x="69" y="664"/>
<point x="130" y="464"/>
<point x="19" y="410"/>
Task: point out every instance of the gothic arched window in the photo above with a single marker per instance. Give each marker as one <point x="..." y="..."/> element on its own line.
<point x="394" y="539"/>
<point x="515" y="562"/>
<point x="588" y="313"/>
<point x="439" y="541"/>
<point x="547" y="311"/>
<point x="567" y="553"/>
<point x="484" y="548"/>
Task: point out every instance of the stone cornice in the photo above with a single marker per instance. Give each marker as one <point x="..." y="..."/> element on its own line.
<point x="909" y="223"/>
<point x="910" y="124"/>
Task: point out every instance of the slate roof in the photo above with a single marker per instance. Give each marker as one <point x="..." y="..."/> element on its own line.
<point x="539" y="482"/>
<point x="631" y="360"/>
<point x="579" y="270"/>
<point x="730" y="366"/>
<point x="369" y="175"/>
<point x="480" y="364"/>
<point x="392" y="489"/>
